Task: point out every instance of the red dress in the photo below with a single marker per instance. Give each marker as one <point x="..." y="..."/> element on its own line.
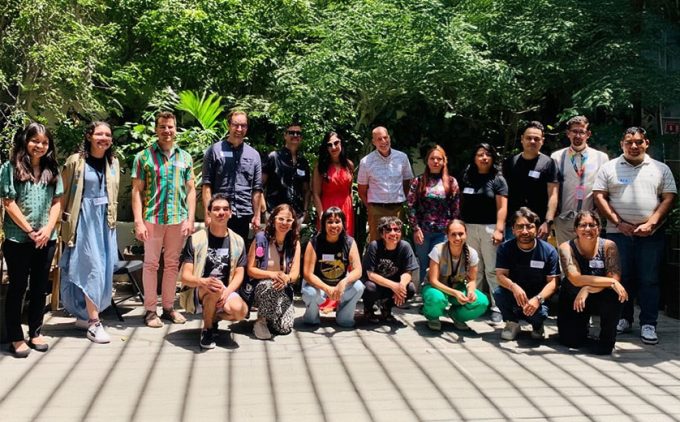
<point x="336" y="191"/>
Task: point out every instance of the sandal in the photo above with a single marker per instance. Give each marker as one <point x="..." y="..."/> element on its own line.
<point x="173" y="316"/>
<point x="328" y="306"/>
<point x="151" y="320"/>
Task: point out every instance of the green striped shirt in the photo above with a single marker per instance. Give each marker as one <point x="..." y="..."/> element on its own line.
<point x="165" y="178"/>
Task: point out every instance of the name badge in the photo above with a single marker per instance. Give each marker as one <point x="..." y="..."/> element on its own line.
<point x="179" y="165"/>
<point x="596" y="263"/>
<point x="469" y="191"/>
<point x="228" y="154"/>
<point x="537" y="264"/>
<point x="624" y="180"/>
<point x="535" y="174"/>
<point x="101" y="201"/>
<point x="222" y="251"/>
<point x="327" y="257"/>
<point x="580" y="192"/>
<point x="300" y="172"/>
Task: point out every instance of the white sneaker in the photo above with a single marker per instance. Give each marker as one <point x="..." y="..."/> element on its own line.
<point x="97" y="334"/>
<point x="261" y="330"/>
<point x="510" y="331"/>
<point x="496" y="317"/>
<point x="623" y="326"/>
<point x="648" y="334"/>
<point x="82" y="324"/>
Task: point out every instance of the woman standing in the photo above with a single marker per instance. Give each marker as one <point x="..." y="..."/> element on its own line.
<point x="332" y="270"/>
<point x="433" y="201"/>
<point x="592" y="286"/>
<point x="30" y="187"/>
<point x="484" y="208"/>
<point x="453" y="271"/>
<point x="274" y="265"/>
<point x="88" y="229"/>
<point x="332" y="180"/>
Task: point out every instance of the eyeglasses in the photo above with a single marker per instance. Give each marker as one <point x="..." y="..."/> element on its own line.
<point x="584" y="226"/>
<point x="239" y="125"/>
<point x="392" y="229"/>
<point x="284" y="220"/>
<point x="332" y="144"/>
<point x="293" y="133"/>
<point x="578" y="132"/>
<point x="520" y="227"/>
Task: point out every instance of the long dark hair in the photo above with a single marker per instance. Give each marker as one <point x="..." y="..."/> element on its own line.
<point x="325" y="156"/>
<point x="446" y="182"/>
<point x="471" y="170"/>
<point x="23" y="171"/>
<point x="333" y="212"/>
<point x="293" y="235"/>
<point x="86" y="145"/>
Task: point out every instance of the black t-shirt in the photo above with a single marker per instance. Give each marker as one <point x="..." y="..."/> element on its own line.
<point x="529" y="269"/>
<point x="285" y="180"/>
<point x="218" y="259"/>
<point x="389" y="264"/>
<point x="332" y="259"/>
<point x="479" y="198"/>
<point x="528" y="183"/>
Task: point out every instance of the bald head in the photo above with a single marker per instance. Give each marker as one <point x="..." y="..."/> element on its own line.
<point x="381" y="140"/>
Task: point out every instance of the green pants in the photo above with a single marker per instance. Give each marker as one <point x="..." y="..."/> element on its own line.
<point x="435" y="302"/>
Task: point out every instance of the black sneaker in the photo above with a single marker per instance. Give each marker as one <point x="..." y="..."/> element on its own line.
<point x="369" y="314"/>
<point x="207" y="339"/>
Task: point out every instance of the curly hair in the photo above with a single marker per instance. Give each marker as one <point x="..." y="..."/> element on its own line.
<point x="293" y="235"/>
<point x="86" y="145"/>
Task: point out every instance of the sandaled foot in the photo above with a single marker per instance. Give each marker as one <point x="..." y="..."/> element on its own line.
<point x="151" y="320"/>
<point x="173" y="316"/>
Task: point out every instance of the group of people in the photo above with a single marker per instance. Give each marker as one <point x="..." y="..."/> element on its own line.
<point x="480" y="242"/>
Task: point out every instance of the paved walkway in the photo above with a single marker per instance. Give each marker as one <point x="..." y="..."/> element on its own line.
<point x="399" y="372"/>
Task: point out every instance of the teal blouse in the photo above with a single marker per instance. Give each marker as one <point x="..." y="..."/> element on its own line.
<point x="34" y="201"/>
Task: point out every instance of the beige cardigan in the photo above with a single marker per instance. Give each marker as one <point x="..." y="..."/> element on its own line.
<point x="73" y="176"/>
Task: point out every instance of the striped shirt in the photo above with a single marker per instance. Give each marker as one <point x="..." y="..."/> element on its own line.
<point x="165" y="178"/>
<point x="385" y="176"/>
<point x="634" y="191"/>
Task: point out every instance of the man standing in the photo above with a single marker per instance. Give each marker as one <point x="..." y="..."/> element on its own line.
<point x="635" y="193"/>
<point x="286" y="175"/>
<point x="577" y="166"/>
<point x="527" y="270"/>
<point x="384" y="178"/>
<point x="234" y="168"/>
<point x="214" y="262"/>
<point x="532" y="179"/>
<point x="163" y="205"/>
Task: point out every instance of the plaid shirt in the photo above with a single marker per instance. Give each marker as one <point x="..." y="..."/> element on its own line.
<point x="165" y="178"/>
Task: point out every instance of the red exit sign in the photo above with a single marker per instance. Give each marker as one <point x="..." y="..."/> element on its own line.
<point x="671" y="126"/>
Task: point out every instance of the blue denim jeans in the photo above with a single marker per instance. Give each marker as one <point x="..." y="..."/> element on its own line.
<point x="511" y="311"/>
<point x="423" y="251"/>
<point x="344" y="316"/>
<point x="640" y="266"/>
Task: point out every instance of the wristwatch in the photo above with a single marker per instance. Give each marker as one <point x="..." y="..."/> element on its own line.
<point x="549" y="222"/>
<point x="540" y="299"/>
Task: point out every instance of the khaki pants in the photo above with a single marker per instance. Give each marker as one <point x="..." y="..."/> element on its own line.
<point x="376" y="211"/>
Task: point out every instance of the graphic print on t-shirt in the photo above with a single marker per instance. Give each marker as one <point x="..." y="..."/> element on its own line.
<point x="386" y="268"/>
<point x="331" y="267"/>
<point x="218" y="261"/>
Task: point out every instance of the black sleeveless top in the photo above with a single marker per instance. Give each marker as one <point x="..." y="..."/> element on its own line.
<point x="595" y="266"/>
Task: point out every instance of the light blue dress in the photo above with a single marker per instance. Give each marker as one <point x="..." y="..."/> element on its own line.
<point x="87" y="268"/>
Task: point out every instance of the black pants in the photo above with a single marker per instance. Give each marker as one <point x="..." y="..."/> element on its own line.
<point x="24" y="260"/>
<point x="374" y="292"/>
<point x="573" y="326"/>
<point x="241" y="226"/>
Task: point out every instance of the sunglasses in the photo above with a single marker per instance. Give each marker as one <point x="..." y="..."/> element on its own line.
<point x="293" y="133"/>
<point x="332" y="144"/>
<point x="392" y="229"/>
